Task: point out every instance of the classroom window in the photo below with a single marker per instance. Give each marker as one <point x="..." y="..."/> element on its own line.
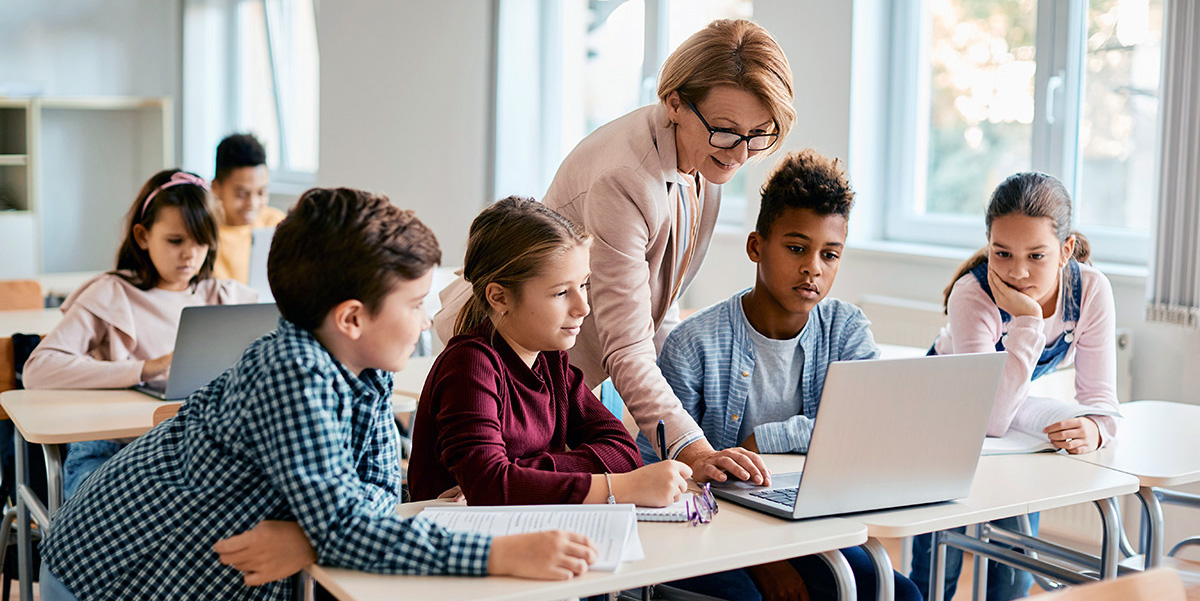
<point x="983" y="89"/>
<point x="277" y="82"/>
<point x="565" y="68"/>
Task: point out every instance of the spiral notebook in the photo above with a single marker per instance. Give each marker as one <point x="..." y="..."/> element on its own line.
<point x="675" y="512"/>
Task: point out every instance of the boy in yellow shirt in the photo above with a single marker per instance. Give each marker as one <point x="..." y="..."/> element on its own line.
<point x="241" y="186"/>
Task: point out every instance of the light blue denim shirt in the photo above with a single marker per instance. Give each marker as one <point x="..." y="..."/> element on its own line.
<point x="709" y="360"/>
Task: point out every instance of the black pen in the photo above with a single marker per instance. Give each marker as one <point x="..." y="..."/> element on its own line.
<point x="662" y="438"/>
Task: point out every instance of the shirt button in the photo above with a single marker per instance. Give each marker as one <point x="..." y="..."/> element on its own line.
<point x="745" y="374"/>
<point x="734" y="418"/>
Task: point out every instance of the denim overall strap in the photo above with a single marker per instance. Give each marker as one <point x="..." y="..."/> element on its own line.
<point x="1072" y="292"/>
<point x="1054" y="353"/>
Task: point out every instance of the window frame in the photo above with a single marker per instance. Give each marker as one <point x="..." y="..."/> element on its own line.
<point x="1058" y="86"/>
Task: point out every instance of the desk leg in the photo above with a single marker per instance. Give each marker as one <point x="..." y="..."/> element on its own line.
<point x="1152" y="527"/>
<point x="937" y="580"/>
<point x="981" y="566"/>
<point x="885" y="583"/>
<point x="24" y="532"/>
<point x="54" y="476"/>
<point x="1110" y="549"/>
<point x="847" y="590"/>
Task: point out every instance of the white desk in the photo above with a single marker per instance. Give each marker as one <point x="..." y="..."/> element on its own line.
<point x="54" y="417"/>
<point x="737" y="537"/>
<point x="1159" y="443"/>
<point x="1004" y="486"/>
<point x="33" y="321"/>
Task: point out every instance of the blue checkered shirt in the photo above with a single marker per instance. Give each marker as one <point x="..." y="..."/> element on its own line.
<point x="288" y="433"/>
<point x="709" y="360"/>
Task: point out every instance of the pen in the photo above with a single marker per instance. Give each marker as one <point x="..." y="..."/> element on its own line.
<point x="662" y="439"/>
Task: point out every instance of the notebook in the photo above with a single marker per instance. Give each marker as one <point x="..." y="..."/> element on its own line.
<point x="1025" y="433"/>
<point x="881" y="438"/>
<point x="210" y="340"/>
<point x="675" y="512"/>
<point x="612" y="528"/>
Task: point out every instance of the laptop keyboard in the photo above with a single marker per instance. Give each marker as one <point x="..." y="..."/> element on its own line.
<point x="783" y="496"/>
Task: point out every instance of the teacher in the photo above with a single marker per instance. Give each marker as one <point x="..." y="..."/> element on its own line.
<point x="648" y="188"/>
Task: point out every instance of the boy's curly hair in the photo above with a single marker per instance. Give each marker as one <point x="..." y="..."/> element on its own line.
<point x="804" y="180"/>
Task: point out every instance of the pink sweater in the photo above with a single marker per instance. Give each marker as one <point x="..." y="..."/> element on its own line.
<point x="975" y="326"/>
<point x="110" y="328"/>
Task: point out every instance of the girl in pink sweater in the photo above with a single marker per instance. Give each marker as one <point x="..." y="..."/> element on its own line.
<point x="1031" y="292"/>
<point x="118" y="328"/>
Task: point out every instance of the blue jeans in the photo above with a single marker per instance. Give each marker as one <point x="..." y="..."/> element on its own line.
<point x="83" y="458"/>
<point x="818" y="579"/>
<point x="1003" y="582"/>
<point x="50" y="588"/>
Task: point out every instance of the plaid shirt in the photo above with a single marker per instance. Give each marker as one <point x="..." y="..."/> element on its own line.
<point x="286" y="434"/>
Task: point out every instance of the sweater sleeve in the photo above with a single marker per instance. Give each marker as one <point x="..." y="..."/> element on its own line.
<point x="1096" y="354"/>
<point x="616" y="214"/>
<point x="64" y="359"/>
<point x="469" y="401"/>
<point x="976" y="326"/>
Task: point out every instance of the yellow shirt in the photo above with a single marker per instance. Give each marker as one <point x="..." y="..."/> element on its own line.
<point x="233" y="245"/>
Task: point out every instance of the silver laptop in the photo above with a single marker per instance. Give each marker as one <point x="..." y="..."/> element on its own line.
<point x="889" y="433"/>
<point x="209" y="341"/>
<point x="260" y="249"/>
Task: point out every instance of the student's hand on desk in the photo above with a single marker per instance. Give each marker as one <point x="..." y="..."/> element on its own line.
<point x="1076" y="435"/>
<point x="453" y="495"/>
<point x="267" y="552"/>
<point x="778" y="581"/>
<point x="1011" y="300"/>
<point x="656" y="485"/>
<point x="154" y="368"/>
<point x="708" y="464"/>
<point x="549" y="555"/>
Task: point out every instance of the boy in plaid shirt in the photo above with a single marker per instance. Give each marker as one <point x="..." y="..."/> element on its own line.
<point x="294" y="446"/>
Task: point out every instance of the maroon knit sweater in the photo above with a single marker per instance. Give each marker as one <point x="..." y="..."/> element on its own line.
<point x="502" y="431"/>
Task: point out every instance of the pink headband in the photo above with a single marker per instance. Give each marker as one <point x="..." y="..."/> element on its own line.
<point x="178" y="178"/>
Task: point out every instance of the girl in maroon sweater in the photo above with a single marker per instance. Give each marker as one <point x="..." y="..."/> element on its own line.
<point x="503" y="414"/>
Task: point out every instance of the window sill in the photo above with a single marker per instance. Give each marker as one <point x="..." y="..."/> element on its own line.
<point x="952" y="256"/>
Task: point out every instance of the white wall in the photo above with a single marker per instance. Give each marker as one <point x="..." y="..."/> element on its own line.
<point x="72" y="48"/>
<point x="405" y="105"/>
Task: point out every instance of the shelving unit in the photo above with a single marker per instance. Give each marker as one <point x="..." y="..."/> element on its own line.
<point x="69" y="168"/>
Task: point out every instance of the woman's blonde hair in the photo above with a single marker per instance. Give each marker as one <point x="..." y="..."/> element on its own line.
<point x="509" y="244"/>
<point x="733" y="53"/>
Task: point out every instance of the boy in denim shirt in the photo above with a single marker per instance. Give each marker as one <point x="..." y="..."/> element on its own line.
<point x="298" y="431"/>
<point x="751" y="369"/>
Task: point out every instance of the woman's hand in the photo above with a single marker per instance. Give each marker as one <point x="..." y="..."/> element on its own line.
<point x="549" y="555"/>
<point x="708" y="464"/>
<point x="270" y="551"/>
<point x="1076" y="435"/>
<point x="656" y="485"/>
<point x="154" y="368"/>
<point x="1011" y="300"/>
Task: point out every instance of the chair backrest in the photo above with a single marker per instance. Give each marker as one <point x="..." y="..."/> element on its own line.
<point x="21" y="295"/>
<point x="1162" y="584"/>
<point x="165" y="412"/>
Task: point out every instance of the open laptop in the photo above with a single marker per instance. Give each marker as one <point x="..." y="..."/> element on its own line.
<point x="260" y="249"/>
<point x="889" y="433"/>
<point x="209" y="341"/>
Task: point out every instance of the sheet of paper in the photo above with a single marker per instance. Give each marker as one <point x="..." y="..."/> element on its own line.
<point x="1015" y="442"/>
<point x="1038" y="412"/>
<point x="608" y="526"/>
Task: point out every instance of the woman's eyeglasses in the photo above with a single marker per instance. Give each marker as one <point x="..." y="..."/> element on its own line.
<point x="702" y="507"/>
<point x="725" y="139"/>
